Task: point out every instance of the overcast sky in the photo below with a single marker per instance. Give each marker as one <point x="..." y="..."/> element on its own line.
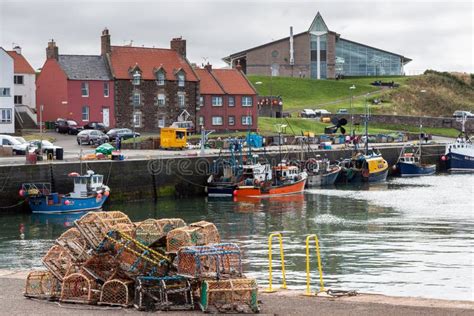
<point x="436" y="35"/>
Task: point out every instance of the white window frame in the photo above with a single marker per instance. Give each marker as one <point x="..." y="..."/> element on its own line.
<point x="245" y="119"/>
<point x="137" y="119"/>
<point x="15" y="79"/>
<point x="201" y="121"/>
<point x="161" y="121"/>
<point x="106" y="89"/>
<point x="246" y="103"/>
<point x="135" y="94"/>
<point x="5" y="116"/>
<point x="15" y="98"/>
<point x="181" y="100"/>
<point x="217" y="98"/>
<point x="233" y="120"/>
<point x="161" y="99"/>
<point x="160" y="78"/>
<point x="136" y="78"/>
<point x="214" y="123"/>
<point x="181" y="79"/>
<point x="201" y="101"/>
<point x="233" y="100"/>
<point x="85" y="89"/>
<point x="85" y="107"/>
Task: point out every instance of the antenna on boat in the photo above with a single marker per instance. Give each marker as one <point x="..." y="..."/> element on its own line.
<point x="367" y="114"/>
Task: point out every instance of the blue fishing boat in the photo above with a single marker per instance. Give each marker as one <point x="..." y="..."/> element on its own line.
<point x="409" y="163"/>
<point x="459" y="155"/>
<point x="89" y="194"/>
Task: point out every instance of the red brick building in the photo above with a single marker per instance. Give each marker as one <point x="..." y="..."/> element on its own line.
<point x="153" y="86"/>
<point x="228" y="101"/>
<point x="77" y="87"/>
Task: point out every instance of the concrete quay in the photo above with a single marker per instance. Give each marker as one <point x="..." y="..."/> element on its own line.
<point x="288" y="302"/>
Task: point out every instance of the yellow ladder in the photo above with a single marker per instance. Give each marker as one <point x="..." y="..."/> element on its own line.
<point x="270" y="288"/>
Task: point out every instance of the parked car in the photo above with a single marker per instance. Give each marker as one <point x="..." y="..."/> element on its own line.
<point x="67" y="127"/>
<point x="308" y="113"/>
<point x="91" y="136"/>
<point x="462" y="113"/>
<point x="97" y="126"/>
<point x="45" y="144"/>
<point x="20" y="139"/>
<point x="123" y="133"/>
<point x="17" y="147"/>
<point x="321" y="112"/>
<point x="342" y="111"/>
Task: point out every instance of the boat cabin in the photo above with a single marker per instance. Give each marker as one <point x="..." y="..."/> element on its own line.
<point x="284" y="172"/>
<point x="86" y="183"/>
<point x="256" y="173"/>
<point x="409" y="158"/>
<point x="376" y="164"/>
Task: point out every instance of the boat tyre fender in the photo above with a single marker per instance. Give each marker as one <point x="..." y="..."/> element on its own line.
<point x="365" y="173"/>
<point x="256" y="182"/>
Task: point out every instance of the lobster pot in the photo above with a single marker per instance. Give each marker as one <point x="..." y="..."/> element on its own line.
<point x="43" y="285"/>
<point x="168" y="224"/>
<point x="101" y="267"/>
<point x="95" y="225"/>
<point x="117" y="292"/>
<point x="73" y="241"/>
<point x="213" y="261"/>
<point x="196" y="234"/>
<point x="59" y="262"/>
<point x="233" y="295"/>
<point x="163" y="293"/>
<point x="79" y="288"/>
<point x="149" y="231"/>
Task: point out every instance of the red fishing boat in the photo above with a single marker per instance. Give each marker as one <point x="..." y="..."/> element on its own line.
<point x="262" y="182"/>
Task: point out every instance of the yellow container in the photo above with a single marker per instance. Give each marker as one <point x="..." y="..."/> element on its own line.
<point x="326" y="119"/>
<point x="173" y="138"/>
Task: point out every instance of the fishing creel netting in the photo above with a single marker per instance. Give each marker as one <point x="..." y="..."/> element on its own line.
<point x="232" y="295"/>
<point x="74" y="242"/>
<point x="117" y="292"/>
<point x="163" y="293"/>
<point x="59" y="262"/>
<point x="95" y="225"/>
<point x="151" y="230"/>
<point x="43" y="285"/>
<point x="196" y="234"/>
<point x="102" y="267"/>
<point x="80" y="288"/>
<point x="212" y="261"/>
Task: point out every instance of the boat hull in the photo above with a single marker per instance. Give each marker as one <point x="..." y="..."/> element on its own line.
<point x="41" y="205"/>
<point x="458" y="163"/>
<point x="415" y="170"/>
<point x="316" y="180"/>
<point x="379" y="176"/>
<point x="286" y="189"/>
<point x="221" y="191"/>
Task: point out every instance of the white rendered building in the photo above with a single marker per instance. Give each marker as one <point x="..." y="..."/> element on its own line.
<point x="7" y="107"/>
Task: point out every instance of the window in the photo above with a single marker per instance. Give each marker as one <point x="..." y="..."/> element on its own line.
<point x="136" y="98"/>
<point x="85" y="113"/>
<point x="181" y="100"/>
<point x="181" y="80"/>
<point x="161" y="121"/>
<point x="231" y="120"/>
<point x="137" y="77"/>
<point x="161" y="99"/>
<point x="217" y="120"/>
<point x="137" y="119"/>
<point x="201" y="121"/>
<point x="106" y="89"/>
<point x="246" y="101"/>
<point x="246" y="120"/>
<point x="5" y="116"/>
<point x="18" y="99"/>
<point x="4" y="92"/>
<point x="201" y="101"/>
<point x="231" y="101"/>
<point x="85" y="89"/>
<point x="160" y="78"/>
<point x="17" y="79"/>
<point x="216" y="101"/>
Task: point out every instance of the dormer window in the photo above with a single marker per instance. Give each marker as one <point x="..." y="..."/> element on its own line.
<point x="160" y="78"/>
<point x="181" y="79"/>
<point x="137" y="77"/>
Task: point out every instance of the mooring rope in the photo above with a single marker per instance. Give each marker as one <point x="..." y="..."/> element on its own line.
<point x="12" y="206"/>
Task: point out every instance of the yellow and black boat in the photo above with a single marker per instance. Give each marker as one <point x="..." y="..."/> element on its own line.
<point x="364" y="168"/>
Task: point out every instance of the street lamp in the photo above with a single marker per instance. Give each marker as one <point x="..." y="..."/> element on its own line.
<point x="352" y="113"/>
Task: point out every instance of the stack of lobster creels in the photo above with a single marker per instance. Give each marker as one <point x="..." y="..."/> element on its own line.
<point x="157" y="264"/>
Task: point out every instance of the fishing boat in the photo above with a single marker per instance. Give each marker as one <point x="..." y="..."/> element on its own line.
<point x="89" y="194"/>
<point x="258" y="180"/>
<point x="409" y="163"/>
<point x="459" y="155"/>
<point x="321" y="172"/>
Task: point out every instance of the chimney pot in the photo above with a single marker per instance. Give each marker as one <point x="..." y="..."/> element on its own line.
<point x="179" y="44"/>
<point x="105" y="47"/>
<point x="208" y="67"/>
<point x="17" y="49"/>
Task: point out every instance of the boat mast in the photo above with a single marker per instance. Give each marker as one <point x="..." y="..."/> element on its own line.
<point x="366" y="126"/>
<point x="419" y="142"/>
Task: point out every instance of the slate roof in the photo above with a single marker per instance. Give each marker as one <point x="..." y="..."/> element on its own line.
<point x="20" y="64"/>
<point x="85" y="67"/>
<point x="124" y="58"/>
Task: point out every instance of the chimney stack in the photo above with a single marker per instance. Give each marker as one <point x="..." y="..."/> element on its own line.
<point x="105" y="42"/>
<point x="208" y="67"/>
<point x="52" y="51"/>
<point x="179" y="44"/>
<point x="238" y="66"/>
<point x="17" y="49"/>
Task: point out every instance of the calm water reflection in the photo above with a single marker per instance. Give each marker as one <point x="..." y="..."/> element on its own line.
<point x="410" y="237"/>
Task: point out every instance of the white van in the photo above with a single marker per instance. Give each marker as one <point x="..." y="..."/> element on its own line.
<point x="17" y="147"/>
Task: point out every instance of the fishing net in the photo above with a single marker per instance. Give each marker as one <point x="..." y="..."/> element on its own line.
<point x="43" y="285"/>
<point x="80" y="288"/>
<point x="196" y="234"/>
<point x="213" y="261"/>
<point x="151" y="230"/>
<point x="233" y="295"/>
<point x="59" y="262"/>
<point x="73" y="241"/>
<point x="117" y="292"/>
<point x="101" y="267"/>
<point x="95" y="225"/>
<point x="168" y="224"/>
<point x="163" y="293"/>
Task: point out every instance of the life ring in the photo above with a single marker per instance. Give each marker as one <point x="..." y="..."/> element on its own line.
<point x="73" y="174"/>
<point x="256" y="182"/>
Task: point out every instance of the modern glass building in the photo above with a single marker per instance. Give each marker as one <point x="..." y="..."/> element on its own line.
<point x="318" y="53"/>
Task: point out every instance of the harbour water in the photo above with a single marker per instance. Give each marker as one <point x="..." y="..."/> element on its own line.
<point x="407" y="237"/>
